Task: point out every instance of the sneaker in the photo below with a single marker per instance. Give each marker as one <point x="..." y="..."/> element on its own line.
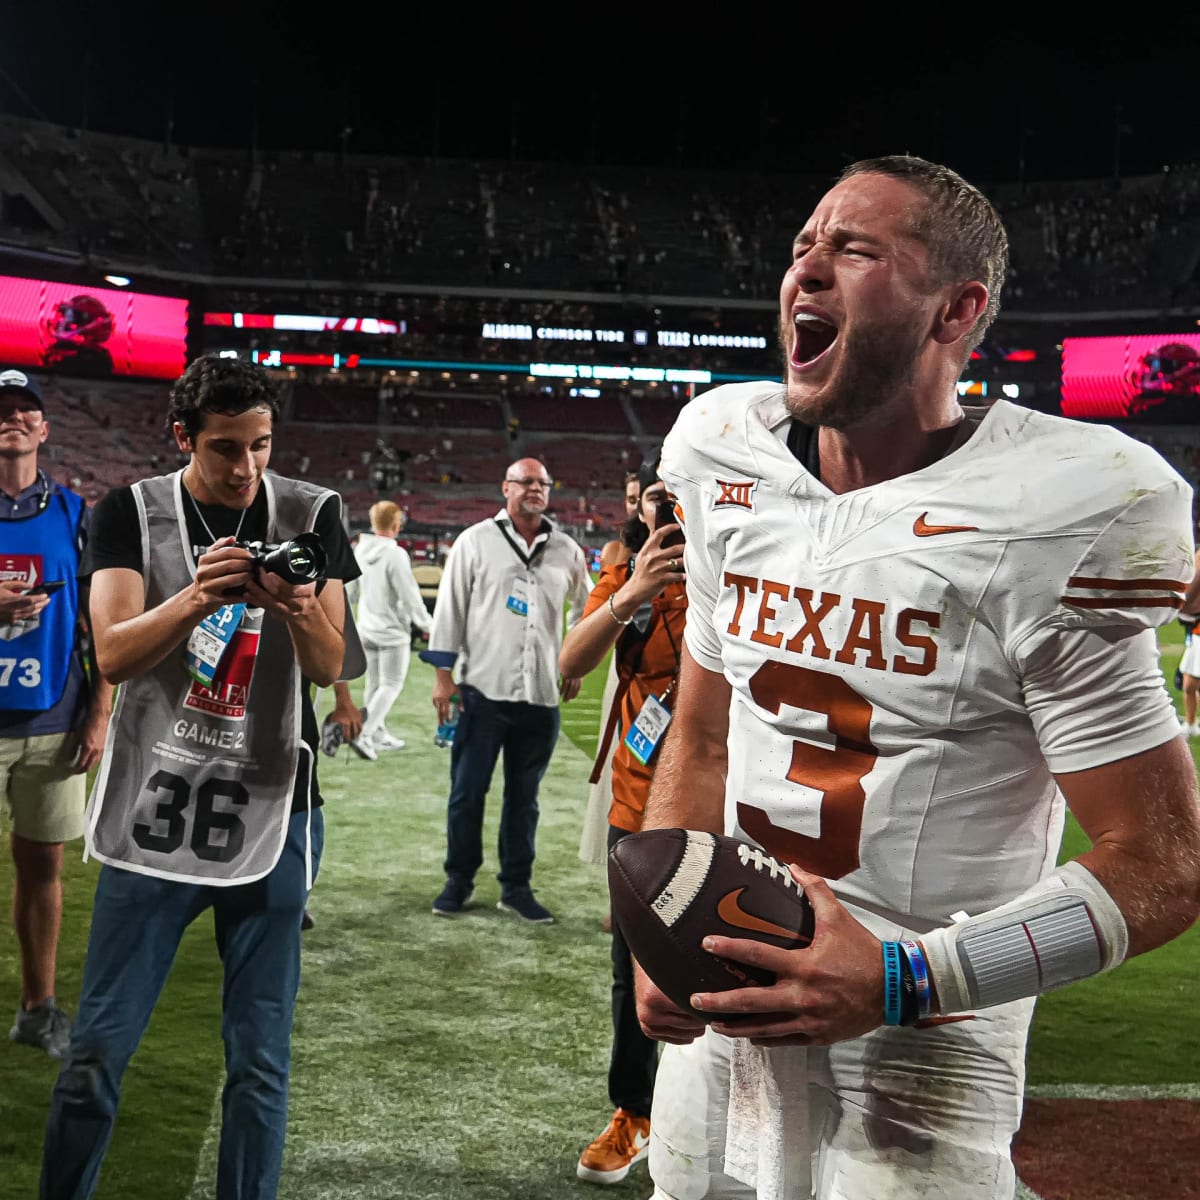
<point x="520" y="903"/>
<point x="332" y="736"/>
<point x="454" y="898"/>
<point x="385" y="741"/>
<point x="625" y="1141"/>
<point x="47" y="1027"/>
<point x="364" y="748"/>
<point x="1189" y="730"/>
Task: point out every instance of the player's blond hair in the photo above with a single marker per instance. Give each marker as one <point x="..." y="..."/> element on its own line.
<point x="963" y="233"/>
<point x="384" y="515"/>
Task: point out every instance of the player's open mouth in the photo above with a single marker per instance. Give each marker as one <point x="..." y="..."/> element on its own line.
<point x="814" y="335"/>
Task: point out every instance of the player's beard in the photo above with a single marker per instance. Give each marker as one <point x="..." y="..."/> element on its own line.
<point x="875" y="363"/>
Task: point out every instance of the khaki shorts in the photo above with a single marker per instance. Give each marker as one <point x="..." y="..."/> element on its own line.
<point x="40" y="799"/>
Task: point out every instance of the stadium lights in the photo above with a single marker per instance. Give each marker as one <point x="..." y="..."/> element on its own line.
<point x="117" y="280"/>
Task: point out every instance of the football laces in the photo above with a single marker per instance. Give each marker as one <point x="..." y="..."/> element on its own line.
<point x="752" y="856"/>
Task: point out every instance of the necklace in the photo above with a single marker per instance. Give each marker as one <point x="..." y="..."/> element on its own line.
<point x="212" y="537"/>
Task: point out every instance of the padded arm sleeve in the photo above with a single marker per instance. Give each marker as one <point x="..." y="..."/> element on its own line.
<point x="1065" y="928"/>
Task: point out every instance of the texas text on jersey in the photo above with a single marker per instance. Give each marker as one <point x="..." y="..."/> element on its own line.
<point x="910" y="661"/>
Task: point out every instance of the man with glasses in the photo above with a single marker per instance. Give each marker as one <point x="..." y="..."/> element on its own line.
<point x="499" y="621"/>
<point x="52" y="723"/>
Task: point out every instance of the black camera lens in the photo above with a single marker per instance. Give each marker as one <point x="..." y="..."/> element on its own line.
<point x="300" y="560"/>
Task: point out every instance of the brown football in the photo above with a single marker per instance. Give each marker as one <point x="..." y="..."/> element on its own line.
<point x="672" y="887"/>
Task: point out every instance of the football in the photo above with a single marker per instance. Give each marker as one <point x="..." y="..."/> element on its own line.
<point x="672" y="887"/>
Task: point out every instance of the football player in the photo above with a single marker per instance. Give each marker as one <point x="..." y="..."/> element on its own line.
<point x="916" y="635"/>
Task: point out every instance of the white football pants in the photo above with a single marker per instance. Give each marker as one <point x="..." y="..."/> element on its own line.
<point x="900" y="1113"/>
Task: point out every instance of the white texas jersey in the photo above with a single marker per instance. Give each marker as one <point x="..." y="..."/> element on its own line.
<point x="911" y="661"/>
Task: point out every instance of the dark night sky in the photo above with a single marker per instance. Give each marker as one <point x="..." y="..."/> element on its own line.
<point x="708" y="87"/>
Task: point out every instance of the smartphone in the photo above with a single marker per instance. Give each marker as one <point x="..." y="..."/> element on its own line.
<point x="664" y="514"/>
<point x="47" y="588"/>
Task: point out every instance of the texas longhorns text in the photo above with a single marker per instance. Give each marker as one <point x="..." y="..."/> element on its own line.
<point x="807" y="620"/>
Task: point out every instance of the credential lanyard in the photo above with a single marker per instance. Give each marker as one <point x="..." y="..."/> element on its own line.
<point x="529" y="559"/>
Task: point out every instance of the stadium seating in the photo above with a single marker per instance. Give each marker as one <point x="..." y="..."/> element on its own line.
<point x="482" y="225"/>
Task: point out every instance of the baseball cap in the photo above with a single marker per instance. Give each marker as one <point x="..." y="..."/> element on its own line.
<point x="14" y="380"/>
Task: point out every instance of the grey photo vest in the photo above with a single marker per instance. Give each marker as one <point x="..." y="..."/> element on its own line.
<point x="196" y="785"/>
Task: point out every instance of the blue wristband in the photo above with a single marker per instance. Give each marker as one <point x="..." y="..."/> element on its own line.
<point x="891" y="983"/>
<point x="920" y="971"/>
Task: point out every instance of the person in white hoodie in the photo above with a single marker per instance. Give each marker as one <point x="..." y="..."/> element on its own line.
<point x="389" y="605"/>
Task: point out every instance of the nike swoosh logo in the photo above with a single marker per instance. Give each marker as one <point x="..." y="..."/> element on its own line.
<point x="923" y="529"/>
<point x="732" y="913"/>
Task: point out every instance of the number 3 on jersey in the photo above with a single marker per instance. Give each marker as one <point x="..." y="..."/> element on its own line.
<point x="836" y="771"/>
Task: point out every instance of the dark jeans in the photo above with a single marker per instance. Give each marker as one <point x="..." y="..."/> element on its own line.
<point x="634" y="1055"/>
<point x="137" y="924"/>
<point x="527" y="734"/>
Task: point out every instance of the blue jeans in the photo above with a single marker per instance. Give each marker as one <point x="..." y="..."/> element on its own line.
<point x="137" y="924"/>
<point x="527" y="734"/>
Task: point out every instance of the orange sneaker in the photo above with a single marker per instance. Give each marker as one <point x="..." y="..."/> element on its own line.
<point x="625" y="1141"/>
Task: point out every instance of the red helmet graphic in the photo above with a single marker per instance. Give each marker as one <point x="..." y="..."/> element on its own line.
<point x="1172" y="369"/>
<point x="82" y="321"/>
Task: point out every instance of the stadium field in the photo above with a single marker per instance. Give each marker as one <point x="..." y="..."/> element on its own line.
<point x="465" y="1059"/>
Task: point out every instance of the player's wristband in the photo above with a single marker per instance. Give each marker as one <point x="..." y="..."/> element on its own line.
<point x="919" y="968"/>
<point x="891" y="983"/>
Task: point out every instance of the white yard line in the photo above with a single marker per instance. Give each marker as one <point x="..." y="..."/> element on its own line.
<point x="204" y="1180"/>
<point x="1104" y="1091"/>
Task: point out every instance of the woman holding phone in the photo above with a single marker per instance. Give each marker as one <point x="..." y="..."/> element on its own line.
<point x="637" y="609"/>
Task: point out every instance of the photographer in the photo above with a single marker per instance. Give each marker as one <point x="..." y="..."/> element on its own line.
<point x="206" y="795"/>
<point x="638" y="607"/>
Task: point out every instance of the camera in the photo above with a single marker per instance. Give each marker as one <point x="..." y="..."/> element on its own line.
<point x="299" y="560"/>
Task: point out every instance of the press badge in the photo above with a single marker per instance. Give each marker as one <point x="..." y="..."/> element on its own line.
<point x="209" y="640"/>
<point x="518" y="601"/>
<point x="647" y="730"/>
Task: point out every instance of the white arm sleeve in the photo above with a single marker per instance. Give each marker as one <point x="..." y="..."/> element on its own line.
<point x="1064" y="928"/>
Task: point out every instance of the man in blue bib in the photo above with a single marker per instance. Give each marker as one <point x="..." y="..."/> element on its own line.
<point x="52" y="720"/>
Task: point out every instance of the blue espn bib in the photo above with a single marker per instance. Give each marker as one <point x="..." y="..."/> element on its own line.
<point x="35" y="656"/>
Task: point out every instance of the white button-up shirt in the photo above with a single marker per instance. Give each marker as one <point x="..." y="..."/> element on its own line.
<point x="500" y="608"/>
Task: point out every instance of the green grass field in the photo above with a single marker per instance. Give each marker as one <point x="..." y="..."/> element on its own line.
<point x="462" y="1059"/>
